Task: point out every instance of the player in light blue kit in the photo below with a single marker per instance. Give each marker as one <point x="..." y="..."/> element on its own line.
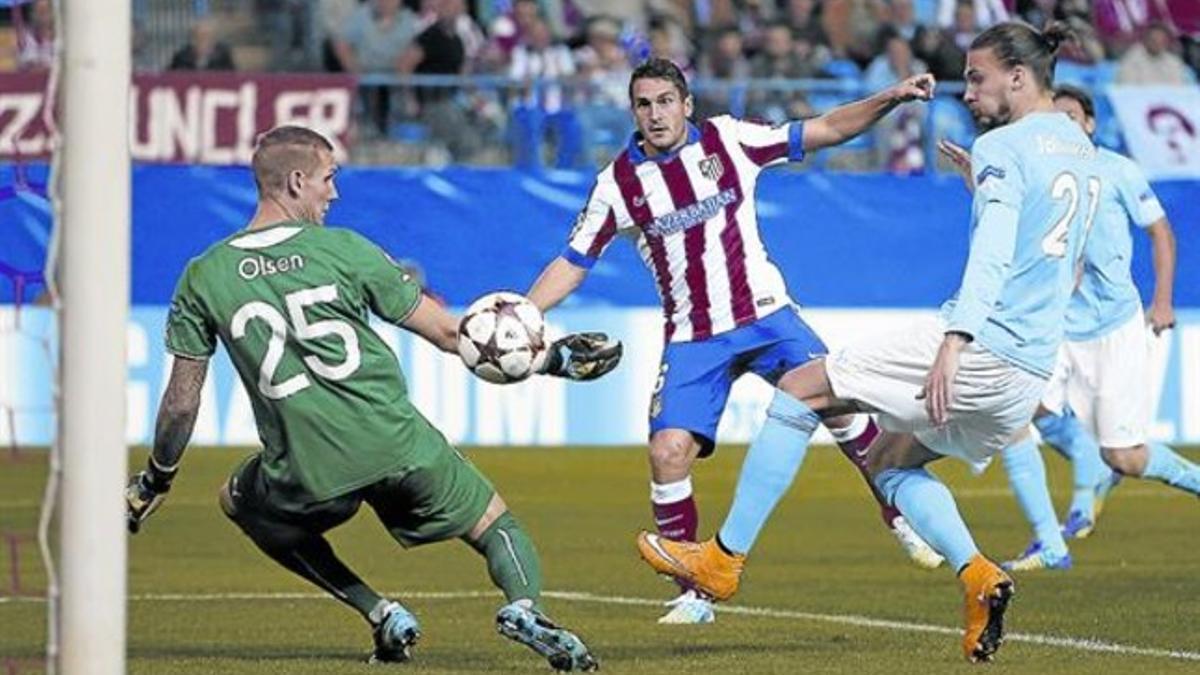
<point x="1100" y="390"/>
<point x="963" y="384"/>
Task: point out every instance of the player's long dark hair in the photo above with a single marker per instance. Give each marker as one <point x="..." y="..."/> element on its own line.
<point x="1078" y="95"/>
<point x="662" y="69"/>
<point x="1018" y="44"/>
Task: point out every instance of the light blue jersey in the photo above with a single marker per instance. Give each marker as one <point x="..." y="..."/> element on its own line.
<point x="1037" y="183"/>
<point x="1106" y="297"/>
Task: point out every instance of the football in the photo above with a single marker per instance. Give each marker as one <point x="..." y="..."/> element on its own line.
<point x="501" y="338"/>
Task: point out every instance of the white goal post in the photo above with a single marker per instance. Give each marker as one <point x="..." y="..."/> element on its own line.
<point x="93" y="178"/>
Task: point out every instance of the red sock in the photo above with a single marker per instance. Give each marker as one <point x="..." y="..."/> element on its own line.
<point x="854" y="442"/>
<point x="677" y="520"/>
<point x="675" y="513"/>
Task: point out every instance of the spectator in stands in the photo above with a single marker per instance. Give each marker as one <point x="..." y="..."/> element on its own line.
<point x="372" y="43"/>
<point x="603" y="101"/>
<point x="539" y="61"/>
<point x="506" y="20"/>
<point x="936" y="48"/>
<point x="781" y="59"/>
<point x="1122" y="22"/>
<point x="332" y="17"/>
<point x="965" y="25"/>
<point x="668" y="41"/>
<point x="507" y="29"/>
<point x="603" y="63"/>
<point x="724" y="60"/>
<point x="1036" y="12"/>
<point x="440" y="50"/>
<point x="804" y="17"/>
<point x="754" y="17"/>
<point x="1151" y="61"/>
<point x="1085" y="45"/>
<point x="985" y="13"/>
<point x="35" y="40"/>
<point x="292" y="27"/>
<point x="853" y="27"/>
<point x="900" y="134"/>
<point x="374" y="37"/>
<point x="902" y="18"/>
<point x="473" y="39"/>
<point x="204" y="51"/>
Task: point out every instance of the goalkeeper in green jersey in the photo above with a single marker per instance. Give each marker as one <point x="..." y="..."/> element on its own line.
<point x="289" y="299"/>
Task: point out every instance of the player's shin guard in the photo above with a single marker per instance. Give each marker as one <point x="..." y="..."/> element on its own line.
<point x="930" y="509"/>
<point x="1067" y="436"/>
<point x="1165" y="465"/>
<point x="1027" y="476"/>
<point x="512" y="560"/>
<point x="768" y="470"/>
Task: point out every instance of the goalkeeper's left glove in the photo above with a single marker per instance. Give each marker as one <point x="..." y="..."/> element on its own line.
<point x="145" y="493"/>
<point x="582" y="356"/>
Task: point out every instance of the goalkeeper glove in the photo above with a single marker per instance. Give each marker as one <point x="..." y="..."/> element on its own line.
<point x="145" y="493"/>
<point x="582" y="356"/>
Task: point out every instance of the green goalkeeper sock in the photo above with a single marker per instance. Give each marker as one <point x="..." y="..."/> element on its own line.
<point x="511" y="559"/>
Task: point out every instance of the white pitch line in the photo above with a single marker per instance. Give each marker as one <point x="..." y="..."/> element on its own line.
<point x="1080" y="644"/>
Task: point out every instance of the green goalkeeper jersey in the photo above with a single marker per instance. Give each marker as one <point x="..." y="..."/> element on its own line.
<point x="291" y="304"/>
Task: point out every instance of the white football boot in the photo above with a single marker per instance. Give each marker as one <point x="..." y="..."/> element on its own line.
<point x="690" y="607"/>
<point x="921" y="553"/>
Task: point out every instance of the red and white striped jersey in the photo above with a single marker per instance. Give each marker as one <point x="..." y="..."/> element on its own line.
<point x="693" y="216"/>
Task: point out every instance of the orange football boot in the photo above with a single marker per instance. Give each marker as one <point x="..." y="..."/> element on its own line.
<point x="987" y="590"/>
<point x="704" y="565"/>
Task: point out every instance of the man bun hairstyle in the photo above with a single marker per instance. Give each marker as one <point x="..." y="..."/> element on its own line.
<point x="662" y="69"/>
<point x="1019" y="44"/>
<point x="1078" y="95"/>
<point x="283" y="150"/>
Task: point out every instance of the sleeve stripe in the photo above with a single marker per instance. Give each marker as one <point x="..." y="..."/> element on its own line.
<point x="607" y="231"/>
<point x="578" y="259"/>
<point x="796" y="141"/>
<point x="766" y="154"/>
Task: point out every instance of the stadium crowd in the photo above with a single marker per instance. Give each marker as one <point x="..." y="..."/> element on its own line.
<point x="550" y="75"/>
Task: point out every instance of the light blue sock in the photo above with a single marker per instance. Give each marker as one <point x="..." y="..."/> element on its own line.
<point x="1164" y="464"/>
<point x="1027" y="476"/>
<point x="1065" y="434"/>
<point x="770" y="466"/>
<point x="928" y="506"/>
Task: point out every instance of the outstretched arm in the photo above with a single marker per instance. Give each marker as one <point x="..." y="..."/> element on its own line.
<point x="845" y="122"/>
<point x="1161" y="314"/>
<point x="432" y="322"/>
<point x="176" y="419"/>
<point x="560" y="278"/>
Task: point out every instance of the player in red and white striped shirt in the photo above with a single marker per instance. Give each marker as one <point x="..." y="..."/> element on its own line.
<point x="686" y="194"/>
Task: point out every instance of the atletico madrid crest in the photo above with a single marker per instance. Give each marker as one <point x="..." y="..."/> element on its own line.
<point x="711" y="167"/>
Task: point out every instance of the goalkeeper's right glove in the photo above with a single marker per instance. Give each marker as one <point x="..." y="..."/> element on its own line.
<point x="145" y="493"/>
<point x="582" y="356"/>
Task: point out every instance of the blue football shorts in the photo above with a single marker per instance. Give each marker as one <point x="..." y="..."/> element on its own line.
<point x="695" y="377"/>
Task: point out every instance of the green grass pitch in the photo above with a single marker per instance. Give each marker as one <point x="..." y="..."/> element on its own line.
<point x="827" y="590"/>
